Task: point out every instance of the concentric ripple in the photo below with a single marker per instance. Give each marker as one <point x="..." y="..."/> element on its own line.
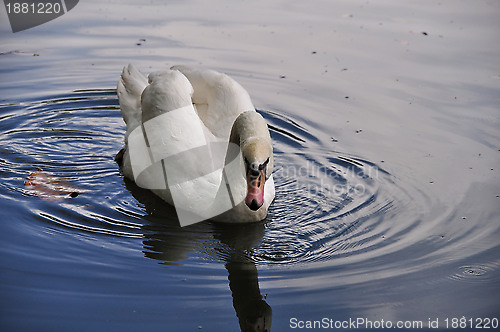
<point x="331" y="207"/>
<point x="329" y="204"/>
<point x="474" y="273"/>
<point x="74" y="137"/>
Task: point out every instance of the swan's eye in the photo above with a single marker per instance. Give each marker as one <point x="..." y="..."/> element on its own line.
<point x="264" y="165"/>
<point x="246" y="161"/>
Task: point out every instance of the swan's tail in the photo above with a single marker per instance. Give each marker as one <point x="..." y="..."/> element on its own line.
<point x="129" y="89"/>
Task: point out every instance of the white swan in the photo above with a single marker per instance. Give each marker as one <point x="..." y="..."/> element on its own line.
<point x="194" y="138"/>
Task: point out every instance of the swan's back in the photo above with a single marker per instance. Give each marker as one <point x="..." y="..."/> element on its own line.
<point x="218" y="98"/>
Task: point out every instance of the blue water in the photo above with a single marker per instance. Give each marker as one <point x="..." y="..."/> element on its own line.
<point x="386" y="147"/>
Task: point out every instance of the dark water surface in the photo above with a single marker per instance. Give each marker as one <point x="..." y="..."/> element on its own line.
<point x="385" y="122"/>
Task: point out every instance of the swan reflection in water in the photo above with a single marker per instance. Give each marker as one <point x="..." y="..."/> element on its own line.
<point x="254" y="314"/>
<point x="170" y="244"/>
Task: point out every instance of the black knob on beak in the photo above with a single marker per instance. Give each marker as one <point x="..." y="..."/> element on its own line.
<point x="254" y="173"/>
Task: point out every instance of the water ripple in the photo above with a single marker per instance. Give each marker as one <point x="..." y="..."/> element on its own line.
<point x="74" y="137"/>
<point x="328" y="203"/>
<point x="474" y="272"/>
<point x="332" y="208"/>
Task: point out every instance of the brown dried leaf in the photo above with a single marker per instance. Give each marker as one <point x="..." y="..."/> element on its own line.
<point x="51" y="188"/>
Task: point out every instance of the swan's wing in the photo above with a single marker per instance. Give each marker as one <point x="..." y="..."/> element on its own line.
<point x="129" y="89"/>
<point x="219" y="99"/>
<point x="167" y="91"/>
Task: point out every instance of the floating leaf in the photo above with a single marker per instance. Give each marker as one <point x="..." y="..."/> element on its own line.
<point x="51" y="188"/>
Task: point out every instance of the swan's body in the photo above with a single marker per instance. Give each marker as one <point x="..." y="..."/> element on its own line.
<point x="194" y="138"/>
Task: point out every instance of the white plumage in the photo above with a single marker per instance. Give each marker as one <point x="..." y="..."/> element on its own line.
<point x="194" y="138"/>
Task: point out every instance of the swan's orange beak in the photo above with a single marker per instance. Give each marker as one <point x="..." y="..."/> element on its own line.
<point x="255" y="189"/>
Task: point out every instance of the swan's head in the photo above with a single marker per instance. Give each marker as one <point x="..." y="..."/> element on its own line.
<point x="251" y="134"/>
<point x="258" y="157"/>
